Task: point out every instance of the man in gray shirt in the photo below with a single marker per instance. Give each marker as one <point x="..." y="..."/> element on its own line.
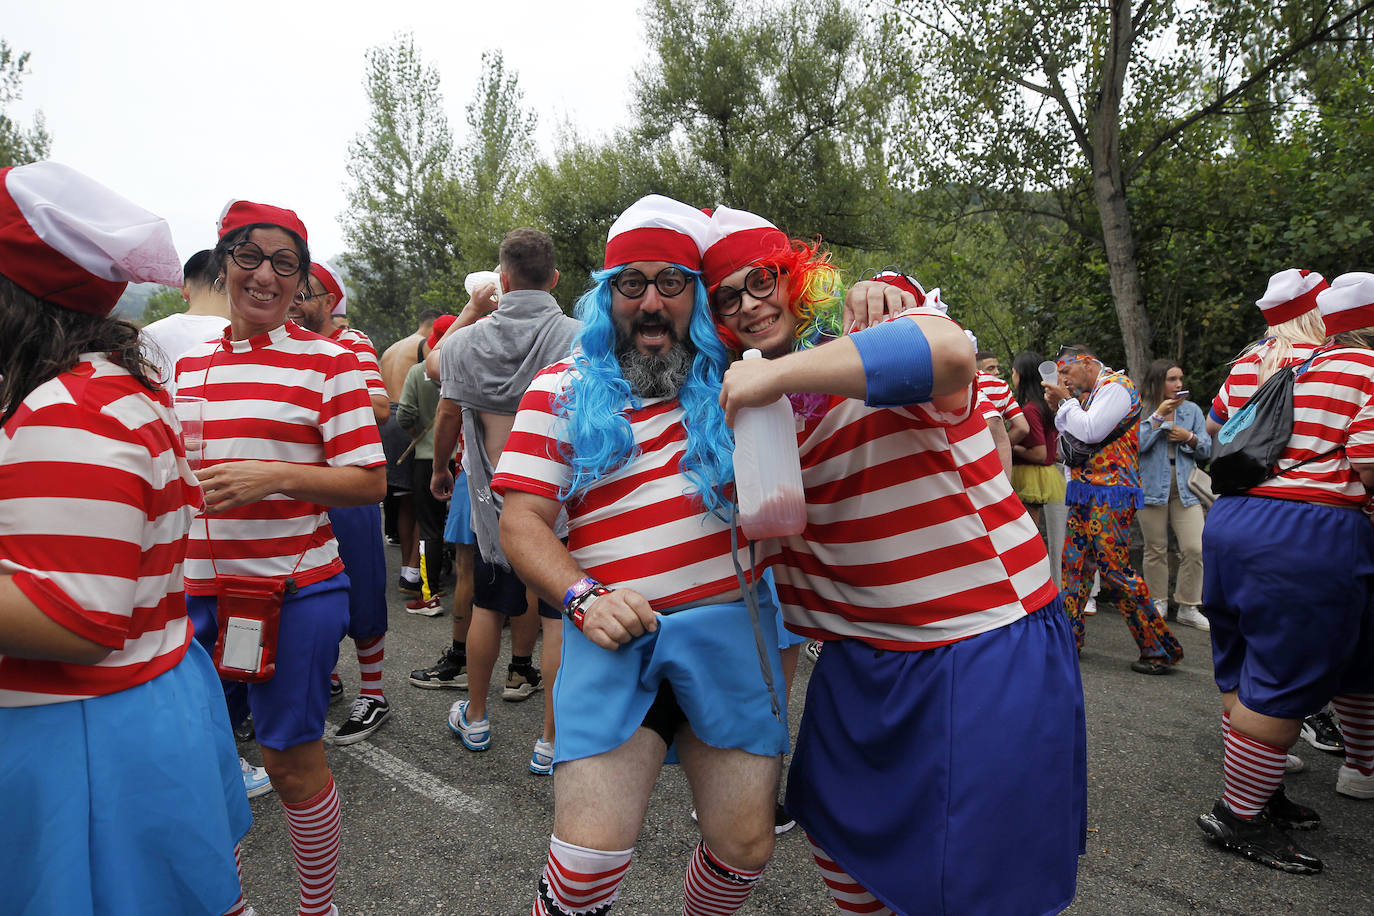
<point x="485" y="366"/>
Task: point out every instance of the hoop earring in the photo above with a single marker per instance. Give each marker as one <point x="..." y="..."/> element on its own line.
<point x="218" y="285"/>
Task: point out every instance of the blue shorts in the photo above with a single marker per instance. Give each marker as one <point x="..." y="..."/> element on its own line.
<point x="358" y="529"/>
<point x="499" y="589"/>
<point x="458" y="524"/>
<point x="709" y="656"/>
<point x="1287" y="588"/>
<point x="786" y="638"/>
<point x="289" y="709"/>
<point x="950" y="781"/>
<point x="125" y="803"/>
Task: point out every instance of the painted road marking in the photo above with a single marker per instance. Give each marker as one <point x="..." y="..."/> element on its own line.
<point x="412" y="777"/>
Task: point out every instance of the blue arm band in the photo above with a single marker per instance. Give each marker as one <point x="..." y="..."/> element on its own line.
<point x="897" y="364"/>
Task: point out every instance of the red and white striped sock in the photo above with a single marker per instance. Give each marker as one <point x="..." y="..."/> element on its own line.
<point x="315" y="827"/>
<point x="850" y="896"/>
<point x="578" y="881"/>
<point x="1355" y="716"/>
<point x="370" y="655"/>
<point x="239" y="908"/>
<point x="1253" y="770"/>
<point x="713" y="888"/>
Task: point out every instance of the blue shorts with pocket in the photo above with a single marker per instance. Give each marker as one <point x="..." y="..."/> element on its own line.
<point x="358" y="530"/>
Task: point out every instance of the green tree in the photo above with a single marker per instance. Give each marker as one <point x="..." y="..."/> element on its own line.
<point x="164" y="301"/>
<point x="18" y="144"/>
<point x="399" y="239"/>
<point x="784" y="109"/>
<point x="1045" y="105"/>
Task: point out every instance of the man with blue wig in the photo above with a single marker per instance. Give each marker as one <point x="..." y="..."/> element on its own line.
<point x="662" y="652"/>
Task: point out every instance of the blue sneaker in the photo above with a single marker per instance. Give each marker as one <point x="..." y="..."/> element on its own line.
<point x="476" y="735"/>
<point x="255" y="781"/>
<point x="541" y="761"/>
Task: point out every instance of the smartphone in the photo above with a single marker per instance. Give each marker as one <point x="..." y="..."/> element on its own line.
<point x="242" y="644"/>
<point x="1183" y="395"/>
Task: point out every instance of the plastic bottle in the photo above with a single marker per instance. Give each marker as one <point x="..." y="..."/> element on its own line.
<point x="768" y="470"/>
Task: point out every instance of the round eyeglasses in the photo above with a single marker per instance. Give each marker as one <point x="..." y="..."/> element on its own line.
<point x="759" y="283"/>
<point x="248" y="255"/>
<point x="632" y="284"/>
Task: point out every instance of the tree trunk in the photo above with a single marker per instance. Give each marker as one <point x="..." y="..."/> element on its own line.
<point x="1109" y="192"/>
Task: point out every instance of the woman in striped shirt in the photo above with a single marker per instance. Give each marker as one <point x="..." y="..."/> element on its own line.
<point x="122" y="786"/>
<point x="289" y="430"/>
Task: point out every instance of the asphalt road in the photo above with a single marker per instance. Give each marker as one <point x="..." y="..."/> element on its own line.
<point x="430" y="828"/>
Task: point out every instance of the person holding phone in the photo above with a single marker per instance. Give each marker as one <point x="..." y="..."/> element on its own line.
<point x="1173" y="436"/>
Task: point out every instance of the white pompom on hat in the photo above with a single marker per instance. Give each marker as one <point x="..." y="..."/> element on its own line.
<point x="735" y="239"/>
<point x="657" y="228"/>
<point x="1291" y="293"/>
<point x="333" y="283"/>
<point x="1348" y="303"/>
<point x="72" y="242"/>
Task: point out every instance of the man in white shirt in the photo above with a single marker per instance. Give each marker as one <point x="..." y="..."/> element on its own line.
<point x="205" y="318"/>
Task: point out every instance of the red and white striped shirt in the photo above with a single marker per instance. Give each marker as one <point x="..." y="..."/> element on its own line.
<point x="95" y="502"/>
<point x="287" y="395"/>
<point x="1333" y="405"/>
<point x="636" y="527"/>
<point x="1243" y="379"/>
<point x="914" y="537"/>
<point x="357" y="343"/>
<point x="999" y="395"/>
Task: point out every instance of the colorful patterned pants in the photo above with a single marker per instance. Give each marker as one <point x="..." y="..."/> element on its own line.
<point x="1099" y="539"/>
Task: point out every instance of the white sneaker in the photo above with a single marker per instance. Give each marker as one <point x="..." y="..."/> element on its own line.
<point x="1162" y="607"/>
<point x="541" y="761"/>
<point x="1189" y="615"/>
<point x="1090" y="607"/>
<point x="1351" y="782"/>
<point x="255" y="781"/>
<point x="1295" y="764"/>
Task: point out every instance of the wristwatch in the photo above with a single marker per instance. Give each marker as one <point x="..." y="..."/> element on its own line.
<point x="580" y="597"/>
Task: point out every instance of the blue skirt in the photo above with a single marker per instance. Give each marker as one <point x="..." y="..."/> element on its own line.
<point x="706" y="653"/>
<point x="950" y="781"/>
<point x="126" y="803"/>
<point x="458" y="524"/>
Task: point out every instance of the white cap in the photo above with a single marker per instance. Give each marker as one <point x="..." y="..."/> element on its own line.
<point x="1291" y="293"/>
<point x="1348" y="303"/>
<point x="657" y="228"/>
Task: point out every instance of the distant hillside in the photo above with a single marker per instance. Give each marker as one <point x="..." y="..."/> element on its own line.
<point x="135" y="300"/>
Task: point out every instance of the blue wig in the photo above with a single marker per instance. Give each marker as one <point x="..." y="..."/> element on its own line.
<point x="594" y="433"/>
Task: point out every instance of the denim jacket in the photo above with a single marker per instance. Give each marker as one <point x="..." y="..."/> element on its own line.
<point x="1154" y="455"/>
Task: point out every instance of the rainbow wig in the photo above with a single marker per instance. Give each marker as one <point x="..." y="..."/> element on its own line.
<point x="813" y="291"/>
<point x="594" y="446"/>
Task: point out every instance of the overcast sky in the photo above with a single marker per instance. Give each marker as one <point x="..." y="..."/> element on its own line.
<point x="136" y="94"/>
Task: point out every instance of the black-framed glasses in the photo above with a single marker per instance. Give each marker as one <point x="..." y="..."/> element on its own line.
<point x="248" y="255"/>
<point x="759" y="283"/>
<point x="632" y="283"/>
<point x="305" y="295"/>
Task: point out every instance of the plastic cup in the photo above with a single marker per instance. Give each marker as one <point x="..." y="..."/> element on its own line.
<point x="191" y="417"/>
<point x="1049" y="372"/>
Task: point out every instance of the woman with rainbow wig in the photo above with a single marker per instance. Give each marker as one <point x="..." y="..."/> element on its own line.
<point x="941" y="762"/>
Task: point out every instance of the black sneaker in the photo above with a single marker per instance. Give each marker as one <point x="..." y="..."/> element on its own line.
<point x="1151" y="666"/>
<point x="407" y="587"/>
<point x="781" y="821"/>
<point x="366" y="717"/>
<point x="335" y="692"/>
<point x="1258" y="840"/>
<point x="1287" y="814"/>
<point x="520" y="683"/>
<point x="1321" y="732"/>
<point x="451" y="670"/>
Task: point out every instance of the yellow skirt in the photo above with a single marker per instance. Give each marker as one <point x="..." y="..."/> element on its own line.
<point x="1038" y="484"/>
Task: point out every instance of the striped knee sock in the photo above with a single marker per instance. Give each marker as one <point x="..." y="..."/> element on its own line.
<point x="850" y="896"/>
<point x="239" y="908"/>
<point x="713" y="888"/>
<point x="314" y="825"/>
<point x="1253" y="770"/>
<point x="578" y="881"/>
<point x="1355" y="716"/>
<point x="370" y="655"/>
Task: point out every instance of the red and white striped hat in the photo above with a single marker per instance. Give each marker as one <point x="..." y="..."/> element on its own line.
<point x="902" y="281"/>
<point x="1291" y="293"/>
<point x="331" y="281"/>
<point x="238" y="213"/>
<point x="657" y="228"/>
<point x="70" y="241"/>
<point x="735" y="239"/>
<point x="1348" y="303"/>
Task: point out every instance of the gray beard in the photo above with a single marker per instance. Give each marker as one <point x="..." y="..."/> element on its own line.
<point x="658" y="375"/>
